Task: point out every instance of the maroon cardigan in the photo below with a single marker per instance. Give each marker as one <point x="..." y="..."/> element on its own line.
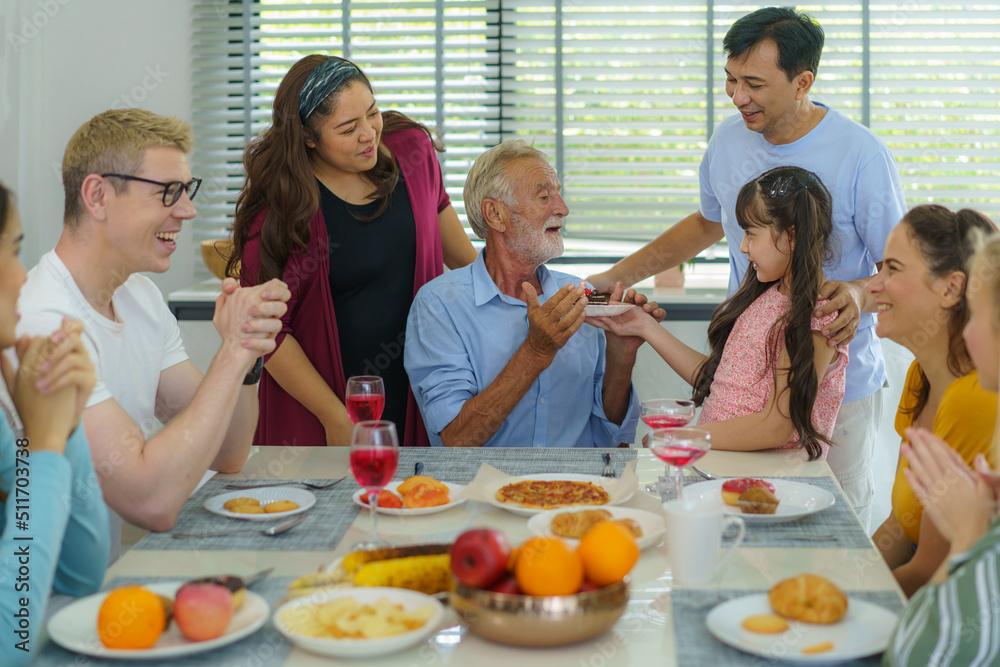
<point x="310" y="317"/>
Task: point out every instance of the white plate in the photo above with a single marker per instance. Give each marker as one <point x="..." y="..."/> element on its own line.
<point x="652" y="524"/>
<point x="864" y="631"/>
<point x="363" y="648"/>
<point x="74" y="627"/>
<point x="554" y="476"/>
<point x="796" y="500"/>
<point x="454" y="492"/>
<point x="265" y="494"/>
<point x="599" y="310"/>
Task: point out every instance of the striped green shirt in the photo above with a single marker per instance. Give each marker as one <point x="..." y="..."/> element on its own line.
<point x="956" y="622"/>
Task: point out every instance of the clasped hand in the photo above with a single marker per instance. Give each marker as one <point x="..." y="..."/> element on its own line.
<point x="248" y="318"/>
<point x="51" y="385"/>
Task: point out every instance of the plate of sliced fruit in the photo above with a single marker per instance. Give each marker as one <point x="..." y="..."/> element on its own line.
<point x="415" y="496"/>
<point x="169" y="619"/>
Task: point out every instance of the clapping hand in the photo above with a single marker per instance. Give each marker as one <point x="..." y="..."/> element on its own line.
<point x="959" y="502"/>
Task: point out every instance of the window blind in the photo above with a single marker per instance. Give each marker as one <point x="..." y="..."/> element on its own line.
<point x="621" y="95"/>
<point x="434" y="60"/>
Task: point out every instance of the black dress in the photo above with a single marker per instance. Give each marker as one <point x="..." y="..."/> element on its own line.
<point x="372" y="265"/>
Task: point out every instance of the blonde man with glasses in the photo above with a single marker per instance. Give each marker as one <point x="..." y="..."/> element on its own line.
<point x="128" y="191"/>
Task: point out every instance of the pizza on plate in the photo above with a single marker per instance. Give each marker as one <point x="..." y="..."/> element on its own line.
<point x="543" y="495"/>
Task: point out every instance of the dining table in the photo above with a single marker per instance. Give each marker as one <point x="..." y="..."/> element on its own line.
<point x="663" y="622"/>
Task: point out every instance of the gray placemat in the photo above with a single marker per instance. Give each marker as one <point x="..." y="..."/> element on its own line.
<point x="264" y="648"/>
<point x="321" y="530"/>
<point x="696" y="647"/>
<point x="838" y="522"/>
<point x="460" y="465"/>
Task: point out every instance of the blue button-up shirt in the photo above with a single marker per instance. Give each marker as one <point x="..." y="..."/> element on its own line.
<point x="462" y="332"/>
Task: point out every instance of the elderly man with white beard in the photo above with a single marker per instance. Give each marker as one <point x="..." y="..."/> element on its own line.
<point x="496" y="351"/>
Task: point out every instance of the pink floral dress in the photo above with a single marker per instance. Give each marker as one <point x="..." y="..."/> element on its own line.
<point x="743" y="381"/>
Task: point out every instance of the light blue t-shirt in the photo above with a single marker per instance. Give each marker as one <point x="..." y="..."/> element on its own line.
<point x="861" y="175"/>
<point x="461" y="333"/>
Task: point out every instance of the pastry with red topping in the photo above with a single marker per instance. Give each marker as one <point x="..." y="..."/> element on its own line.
<point x="732" y="489"/>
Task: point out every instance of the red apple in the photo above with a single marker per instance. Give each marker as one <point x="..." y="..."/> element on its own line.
<point x="479" y="557"/>
<point x="203" y="611"/>
<point x="507" y="584"/>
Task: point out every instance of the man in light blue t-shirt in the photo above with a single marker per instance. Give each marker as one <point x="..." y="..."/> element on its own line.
<point x="773" y="55"/>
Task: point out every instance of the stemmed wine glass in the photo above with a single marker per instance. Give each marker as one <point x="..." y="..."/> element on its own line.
<point x="365" y="398"/>
<point x="665" y="413"/>
<point x="679" y="447"/>
<point x="374" y="457"/>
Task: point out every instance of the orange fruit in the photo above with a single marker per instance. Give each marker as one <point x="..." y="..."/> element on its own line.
<point x="608" y="551"/>
<point x="131" y="617"/>
<point x="546" y="566"/>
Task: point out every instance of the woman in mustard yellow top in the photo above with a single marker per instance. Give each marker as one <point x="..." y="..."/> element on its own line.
<point x="920" y="293"/>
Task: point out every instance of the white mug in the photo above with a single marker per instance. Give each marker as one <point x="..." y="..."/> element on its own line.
<point x="694" y="530"/>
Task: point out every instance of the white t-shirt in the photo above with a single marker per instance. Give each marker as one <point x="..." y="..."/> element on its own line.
<point x="128" y="354"/>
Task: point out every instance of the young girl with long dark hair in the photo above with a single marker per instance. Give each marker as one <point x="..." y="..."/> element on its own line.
<point x="347" y="205"/>
<point x="770" y="379"/>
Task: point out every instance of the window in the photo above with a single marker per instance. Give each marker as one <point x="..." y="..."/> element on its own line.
<point x="622" y="96"/>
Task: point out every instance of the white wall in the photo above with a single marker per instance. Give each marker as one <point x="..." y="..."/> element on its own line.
<point x="65" y="61"/>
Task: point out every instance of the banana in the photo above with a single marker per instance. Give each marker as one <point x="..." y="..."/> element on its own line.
<point x="352" y="561"/>
<point x="427" y="574"/>
<point x="424" y="567"/>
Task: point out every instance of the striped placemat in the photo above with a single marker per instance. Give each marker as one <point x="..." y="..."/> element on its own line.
<point x="264" y="648"/>
<point x="321" y="530"/>
<point x="836" y="527"/>
<point x="460" y="465"/>
<point x="696" y="647"/>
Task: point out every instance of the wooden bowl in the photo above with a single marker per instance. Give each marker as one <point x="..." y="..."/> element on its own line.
<point x="215" y="253"/>
<point x="526" y="620"/>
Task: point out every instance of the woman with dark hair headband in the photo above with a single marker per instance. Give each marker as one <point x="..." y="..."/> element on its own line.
<point x="347" y="205"/>
<point x="51" y="507"/>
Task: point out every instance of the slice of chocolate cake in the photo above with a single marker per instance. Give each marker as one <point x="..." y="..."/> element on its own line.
<point x="595" y="297"/>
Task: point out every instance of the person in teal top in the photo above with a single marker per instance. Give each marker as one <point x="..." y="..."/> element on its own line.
<point x="54" y="532"/>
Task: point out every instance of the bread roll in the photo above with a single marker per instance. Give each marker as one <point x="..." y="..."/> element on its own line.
<point x="808" y="598"/>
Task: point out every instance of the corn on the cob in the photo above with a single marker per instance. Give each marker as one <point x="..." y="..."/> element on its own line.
<point x="352" y="561"/>
<point x="427" y="574"/>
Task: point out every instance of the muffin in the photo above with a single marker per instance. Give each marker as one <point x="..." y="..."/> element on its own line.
<point x="757" y="500"/>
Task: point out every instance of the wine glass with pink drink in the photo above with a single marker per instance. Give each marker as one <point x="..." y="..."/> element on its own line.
<point x="365" y="398"/>
<point x="665" y="413"/>
<point x="679" y="447"/>
<point x="374" y="458"/>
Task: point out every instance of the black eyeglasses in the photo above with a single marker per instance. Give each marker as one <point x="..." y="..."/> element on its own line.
<point x="171" y="191"/>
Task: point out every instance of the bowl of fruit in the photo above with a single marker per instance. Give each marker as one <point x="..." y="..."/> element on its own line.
<point x="542" y="593"/>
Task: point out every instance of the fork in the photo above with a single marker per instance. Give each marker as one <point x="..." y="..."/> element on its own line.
<point x="307" y="484"/>
<point x="608" y="470"/>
